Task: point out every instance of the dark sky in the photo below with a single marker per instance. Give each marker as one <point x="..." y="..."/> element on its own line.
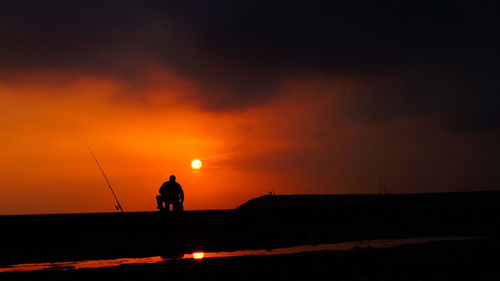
<point x="432" y="57"/>
<point x="419" y="75"/>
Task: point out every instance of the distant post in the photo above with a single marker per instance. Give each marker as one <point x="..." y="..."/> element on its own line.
<point x="380" y="185"/>
<point x="465" y="182"/>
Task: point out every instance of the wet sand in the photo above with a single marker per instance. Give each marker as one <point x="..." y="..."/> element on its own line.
<point x="450" y="260"/>
<point x="342" y="246"/>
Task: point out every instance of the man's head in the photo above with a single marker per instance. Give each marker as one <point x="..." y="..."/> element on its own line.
<point x="172" y="178"/>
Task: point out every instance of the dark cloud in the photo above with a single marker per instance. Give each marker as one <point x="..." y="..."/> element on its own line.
<point x="438" y="58"/>
<point x="465" y="99"/>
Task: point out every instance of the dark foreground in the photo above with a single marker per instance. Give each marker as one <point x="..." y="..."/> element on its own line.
<point x="450" y="260"/>
<point x="265" y="223"/>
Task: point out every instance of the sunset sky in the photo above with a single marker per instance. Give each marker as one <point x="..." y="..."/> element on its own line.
<point x="295" y="97"/>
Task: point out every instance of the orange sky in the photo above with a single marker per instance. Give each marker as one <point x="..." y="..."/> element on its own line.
<point x="139" y="144"/>
<point x="299" y="142"/>
<point x="299" y="98"/>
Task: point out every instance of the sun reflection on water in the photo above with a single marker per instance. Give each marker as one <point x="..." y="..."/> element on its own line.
<point x="198" y="255"/>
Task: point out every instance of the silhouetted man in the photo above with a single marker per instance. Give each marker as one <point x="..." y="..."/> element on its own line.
<point x="170" y="193"/>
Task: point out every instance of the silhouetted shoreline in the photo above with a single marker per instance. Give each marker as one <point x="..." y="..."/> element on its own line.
<point x="113" y="235"/>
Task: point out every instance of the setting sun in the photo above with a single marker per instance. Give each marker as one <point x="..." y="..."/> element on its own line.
<point x="196" y="164"/>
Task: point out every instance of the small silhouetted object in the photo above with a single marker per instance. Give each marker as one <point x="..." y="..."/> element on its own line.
<point x="171" y="193"/>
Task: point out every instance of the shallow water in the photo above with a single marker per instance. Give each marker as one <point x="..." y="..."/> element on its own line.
<point x="72" y="265"/>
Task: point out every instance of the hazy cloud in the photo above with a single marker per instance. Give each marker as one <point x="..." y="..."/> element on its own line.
<point x="426" y="57"/>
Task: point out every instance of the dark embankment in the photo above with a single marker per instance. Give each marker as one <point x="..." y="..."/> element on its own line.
<point x="415" y="203"/>
<point x="266" y="222"/>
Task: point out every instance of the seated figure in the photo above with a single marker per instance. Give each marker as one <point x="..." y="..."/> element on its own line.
<point x="170" y="194"/>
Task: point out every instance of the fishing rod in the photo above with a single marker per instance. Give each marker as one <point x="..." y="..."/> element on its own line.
<point x="118" y="206"/>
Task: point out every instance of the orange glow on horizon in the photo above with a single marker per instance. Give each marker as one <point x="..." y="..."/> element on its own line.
<point x="140" y="143"/>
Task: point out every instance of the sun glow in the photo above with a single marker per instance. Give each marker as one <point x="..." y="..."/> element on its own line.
<point x="196" y="164"/>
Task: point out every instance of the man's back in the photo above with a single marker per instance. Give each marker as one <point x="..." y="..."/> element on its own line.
<point x="172" y="190"/>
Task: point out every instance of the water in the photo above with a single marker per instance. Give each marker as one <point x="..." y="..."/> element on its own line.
<point x="72" y="265"/>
